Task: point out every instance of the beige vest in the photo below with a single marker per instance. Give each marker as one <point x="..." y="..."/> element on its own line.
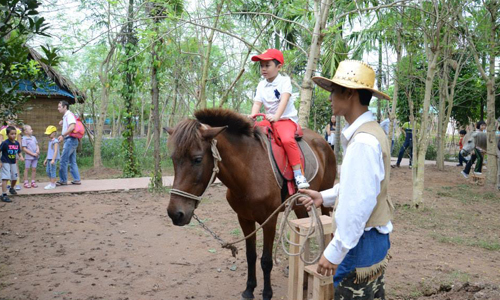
<point x="383" y="211"/>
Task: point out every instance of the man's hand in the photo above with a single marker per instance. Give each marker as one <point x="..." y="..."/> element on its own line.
<point x="45" y="162"/>
<point x="271" y="118"/>
<point x="311" y="197"/>
<point x="325" y="267"/>
<point x="52" y="162"/>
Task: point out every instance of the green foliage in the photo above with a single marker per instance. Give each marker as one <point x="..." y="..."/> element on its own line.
<point x="113" y="155"/>
<point x="19" y="21"/>
<point x="321" y="111"/>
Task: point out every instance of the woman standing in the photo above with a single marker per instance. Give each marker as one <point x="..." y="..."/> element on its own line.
<point x="330" y="132"/>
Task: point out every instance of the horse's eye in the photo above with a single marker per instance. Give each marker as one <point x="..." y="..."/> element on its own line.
<point x="197" y="160"/>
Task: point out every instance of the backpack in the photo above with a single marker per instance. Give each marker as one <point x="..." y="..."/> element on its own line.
<point x="79" y="130"/>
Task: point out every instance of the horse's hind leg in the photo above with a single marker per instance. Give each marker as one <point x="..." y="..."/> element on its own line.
<point x="267" y="257"/>
<point x="248" y="227"/>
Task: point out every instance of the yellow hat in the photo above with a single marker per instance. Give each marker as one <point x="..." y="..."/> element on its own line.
<point x="352" y="74"/>
<point x="50" y="129"/>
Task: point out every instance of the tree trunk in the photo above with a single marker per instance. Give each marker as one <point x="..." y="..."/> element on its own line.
<point x="392" y="115"/>
<point x="131" y="168"/>
<point x="206" y="63"/>
<point x="321" y="15"/>
<point x="379" y="80"/>
<point x="338" y="132"/>
<point x="441" y="132"/>
<point x="113" y="124"/>
<point x="421" y="137"/>
<point x="491" y="165"/>
<point x="156" y="180"/>
<point x="142" y="117"/>
<point x="103" y="108"/>
<point x="172" y="120"/>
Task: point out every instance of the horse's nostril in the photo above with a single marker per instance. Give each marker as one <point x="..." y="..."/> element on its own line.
<point x="176" y="216"/>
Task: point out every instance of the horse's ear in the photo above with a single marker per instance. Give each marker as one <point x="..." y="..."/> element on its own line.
<point x="211" y="133"/>
<point x="168" y="130"/>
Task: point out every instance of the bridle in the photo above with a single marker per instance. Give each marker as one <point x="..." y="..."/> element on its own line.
<point x="217" y="158"/>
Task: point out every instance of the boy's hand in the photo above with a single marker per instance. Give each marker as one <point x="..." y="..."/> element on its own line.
<point x="21" y="158"/>
<point x="45" y="162"/>
<point x="52" y="162"/>
<point x="310" y="197"/>
<point x="270" y="118"/>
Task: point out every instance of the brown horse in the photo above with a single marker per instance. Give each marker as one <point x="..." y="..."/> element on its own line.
<point x="245" y="170"/>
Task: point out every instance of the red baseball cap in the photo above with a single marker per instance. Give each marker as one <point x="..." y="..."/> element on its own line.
<point x="270" y="54"/>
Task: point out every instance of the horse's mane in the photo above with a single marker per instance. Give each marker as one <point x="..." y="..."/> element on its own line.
<point x="187" y="134"/>
<point x="236" y="123"/>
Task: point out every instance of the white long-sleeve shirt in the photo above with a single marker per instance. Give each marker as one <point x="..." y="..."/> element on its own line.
<point x="362" y="172"/>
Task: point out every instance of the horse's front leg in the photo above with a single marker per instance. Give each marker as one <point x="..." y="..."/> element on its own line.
<point x="267" y="257"/>
<point x="248" y="227"/>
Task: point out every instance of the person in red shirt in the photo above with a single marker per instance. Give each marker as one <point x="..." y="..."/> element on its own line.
<point x="461" y="159"/>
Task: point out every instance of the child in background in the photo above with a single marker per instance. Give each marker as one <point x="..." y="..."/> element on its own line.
<point x="461" y="159"/>
<point x="10" y="149"/>
<point x="3" y="137"/>
<point x="32" y="153"/>
<point x="275" y="92"/>
<point x="52" y="156"/>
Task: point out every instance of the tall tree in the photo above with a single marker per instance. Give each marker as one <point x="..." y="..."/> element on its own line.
<point x="432" y="18"/>
<point x="321" y="13"/>
<point x="486" y="23"/>
<point x="131" y="168"/>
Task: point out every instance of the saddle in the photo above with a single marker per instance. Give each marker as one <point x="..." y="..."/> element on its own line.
<point x="283" y="171"/>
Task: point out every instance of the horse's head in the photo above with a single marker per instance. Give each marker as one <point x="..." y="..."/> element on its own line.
<point x="468" y="144"/>
<point x="473" y="140"/>
<point x="190" y="148"/>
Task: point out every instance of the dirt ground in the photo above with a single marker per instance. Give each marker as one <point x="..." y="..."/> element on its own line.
<point x="124" y="246"/>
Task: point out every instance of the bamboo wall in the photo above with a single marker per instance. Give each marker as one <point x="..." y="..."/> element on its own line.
<point x="39" y="113"/>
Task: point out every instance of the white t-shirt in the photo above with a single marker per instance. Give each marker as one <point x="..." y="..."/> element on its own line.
<point x="269" y="93"/>
<point x="68" y="119"/>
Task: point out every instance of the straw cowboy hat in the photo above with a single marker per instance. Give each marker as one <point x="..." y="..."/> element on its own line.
<point x="352" y="74"/>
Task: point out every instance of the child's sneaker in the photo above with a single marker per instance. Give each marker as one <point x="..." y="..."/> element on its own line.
<point x="12" y="191"/>
<point x="301" y="182"/>
<point x="464" y="174"/>
<point x="18" y="187"/>
<point x="49" y="187"/>
<point x="34" y="185"/>
<point x="4" y="198"/>
<point x="478" y="173"/>
<point x="27" y="185"/>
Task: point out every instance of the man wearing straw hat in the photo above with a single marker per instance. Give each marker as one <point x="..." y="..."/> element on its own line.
<point x="358" y="254"/>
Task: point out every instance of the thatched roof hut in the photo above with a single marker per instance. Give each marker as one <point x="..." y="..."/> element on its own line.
<point x="41" y="110"/>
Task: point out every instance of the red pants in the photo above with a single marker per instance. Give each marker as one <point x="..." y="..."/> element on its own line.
<point x="286" y="131"/>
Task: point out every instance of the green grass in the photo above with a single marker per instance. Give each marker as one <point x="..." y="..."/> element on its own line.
<point x="236" y="232"/>
<point x="113" y="156"/>
<point x="455" y="240"/>
<point x="466" y="195"/>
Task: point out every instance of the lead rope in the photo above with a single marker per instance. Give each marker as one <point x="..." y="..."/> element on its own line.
<point x="315" y="222"/>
